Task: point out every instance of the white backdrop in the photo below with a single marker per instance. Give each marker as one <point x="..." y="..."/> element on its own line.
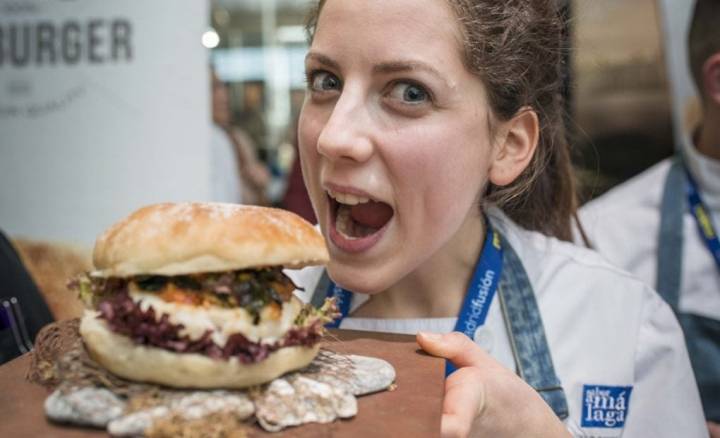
<point x="106" y="108"/>
<point x="676" y="16"/>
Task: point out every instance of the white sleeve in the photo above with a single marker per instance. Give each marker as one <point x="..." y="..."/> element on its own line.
<point x="665" y="401"/>
<point x="306" y="279"/>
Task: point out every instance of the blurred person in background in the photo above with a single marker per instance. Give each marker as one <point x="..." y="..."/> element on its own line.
<point x="662" y="225"/>
<point x="252" y="113"/>
<point x="237" y="175"/>
<point x="296" y="198"/>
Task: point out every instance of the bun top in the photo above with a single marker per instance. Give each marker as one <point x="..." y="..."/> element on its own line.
<point x="186" y="238"/>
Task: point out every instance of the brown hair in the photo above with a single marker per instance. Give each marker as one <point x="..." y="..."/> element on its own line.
<point x="703" y="38"/>
<point x="515" y="47"/>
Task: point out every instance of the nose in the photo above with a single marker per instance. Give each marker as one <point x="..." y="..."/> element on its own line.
<point x="345" y="135"/>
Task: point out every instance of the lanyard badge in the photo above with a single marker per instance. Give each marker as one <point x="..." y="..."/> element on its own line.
<point x="482" y="289"/>
<point x="478" y="297"/>
<point x="702" y="219"/>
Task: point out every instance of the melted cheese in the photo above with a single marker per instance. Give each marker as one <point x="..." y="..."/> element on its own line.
<point x="223" y="322"/>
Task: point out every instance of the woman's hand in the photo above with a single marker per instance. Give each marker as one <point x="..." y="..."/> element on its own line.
<point x="483" y="398"/>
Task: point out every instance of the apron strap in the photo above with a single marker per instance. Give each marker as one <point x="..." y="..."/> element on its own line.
<point x="702" y="335"/>
<point x="670" y="236"/>
<point x="527" y="334"/>
<point x="318" y="297"/>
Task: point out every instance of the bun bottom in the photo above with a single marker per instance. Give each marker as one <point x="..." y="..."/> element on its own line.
<point x="140" y="363"/>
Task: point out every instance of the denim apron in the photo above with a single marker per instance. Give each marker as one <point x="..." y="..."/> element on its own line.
<point x="702" y="335"/>
<point x="525" y="329"/>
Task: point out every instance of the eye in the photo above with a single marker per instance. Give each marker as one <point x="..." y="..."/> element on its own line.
<point x="409" y="93"/>
<point x="323" y="81"/>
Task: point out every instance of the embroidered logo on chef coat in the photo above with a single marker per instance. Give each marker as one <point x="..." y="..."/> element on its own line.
<point x="605" y="406"/>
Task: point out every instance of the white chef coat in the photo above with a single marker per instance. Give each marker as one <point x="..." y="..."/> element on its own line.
<point x="623" y="225"/>
<point x="604" y="327"/>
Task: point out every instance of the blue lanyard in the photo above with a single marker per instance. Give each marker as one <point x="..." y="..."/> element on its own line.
<point x="342" y="301"/>
<point x="702" y="219"/>
<point x="478" y="298"/>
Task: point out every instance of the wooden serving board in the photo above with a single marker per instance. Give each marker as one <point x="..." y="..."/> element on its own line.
<point x="412" y="409"/>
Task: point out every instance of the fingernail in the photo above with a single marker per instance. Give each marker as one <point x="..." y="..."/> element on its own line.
<point x="431" y="336"/>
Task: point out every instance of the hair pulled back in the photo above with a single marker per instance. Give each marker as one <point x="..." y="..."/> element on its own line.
<point x="516" y="49"/>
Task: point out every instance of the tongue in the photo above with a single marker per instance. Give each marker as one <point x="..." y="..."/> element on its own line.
<point x="371" y="214"/>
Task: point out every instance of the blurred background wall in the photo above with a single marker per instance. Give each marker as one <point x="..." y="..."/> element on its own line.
<point x="620" y="112"/>
<point x="104" y="107"/>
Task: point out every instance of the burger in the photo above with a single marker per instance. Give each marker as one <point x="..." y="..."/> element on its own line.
<point x="193" y="295"/>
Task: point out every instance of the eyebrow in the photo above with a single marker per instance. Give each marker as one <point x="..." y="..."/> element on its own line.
<point x="384" y="67"/>
<point x="405" y="66"/>
<point x="322" y="59"/>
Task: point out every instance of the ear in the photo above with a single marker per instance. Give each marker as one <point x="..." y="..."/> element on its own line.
<point x="515" y="147"/>
<point x="711" y="79"/>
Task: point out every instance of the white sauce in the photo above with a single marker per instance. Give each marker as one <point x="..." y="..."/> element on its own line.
<point x="223" y="322"/>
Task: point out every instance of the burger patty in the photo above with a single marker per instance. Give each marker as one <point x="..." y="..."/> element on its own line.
<point x="251" y="289"/>
<point x="126" y="317"/>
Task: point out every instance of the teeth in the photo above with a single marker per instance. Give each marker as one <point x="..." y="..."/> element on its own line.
<point x="348" y="199"/>
<point x="349" y="228"/>
<point x="344" y="224"/>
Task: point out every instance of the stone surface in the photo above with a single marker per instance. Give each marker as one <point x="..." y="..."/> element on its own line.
<point x="359" y="375"/>
<point x="370" y="375"/>
<point x="296" y="400"/>
<point x="136" y="423"/>
<point x="87" y="406"/>
<point x="187" y="406"/>
<point x="322" y="392"/>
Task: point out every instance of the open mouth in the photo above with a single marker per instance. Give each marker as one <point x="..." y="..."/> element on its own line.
<point x="356" y="217"/>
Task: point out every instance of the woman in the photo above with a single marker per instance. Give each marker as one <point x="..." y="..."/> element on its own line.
<point x="432" y="147"/>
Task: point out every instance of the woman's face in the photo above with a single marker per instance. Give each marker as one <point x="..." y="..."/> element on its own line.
<point x="393" y="136"/>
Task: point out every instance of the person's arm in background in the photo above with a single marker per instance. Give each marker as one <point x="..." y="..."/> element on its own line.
<point x="23" y="310"/>
<point x="253" y="172"/>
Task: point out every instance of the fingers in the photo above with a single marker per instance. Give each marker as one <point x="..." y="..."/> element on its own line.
<point x="455" y="346"/>
<point x="464" y="390"/>
<point x="463" y="403"/>
<point x="483" y="397"/>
